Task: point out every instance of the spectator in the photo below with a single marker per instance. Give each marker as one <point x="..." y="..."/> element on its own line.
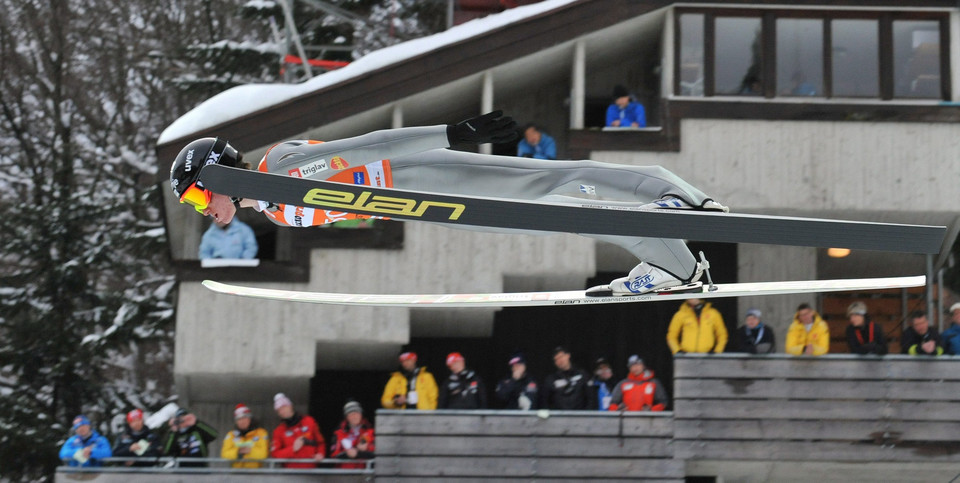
<point x="536" y="144"/>
<point x="808" y="334"/>
<point x="697" y="327"/>
<point x="188" y="438"/>
<point x="411" y="387"/>
<point x="603" y="383"/>
<point x="247" y="441"/>
<point x="137" y="440"/>
<point x="640" y="391"/>
<point x="463" y="388"/>
<point x="625" y="111"/>
<point x="864" y="336"/>
<point x="519" y="390"/>
<point x="568" y="388"/>
<point x="228" y="240"/>
<point x="86" y="447"/>
<point x="920" y="338"/>
<point x="297" y="436"/>
<point x="754" y="337"/>
<point x="354" y="437"/>
<point x="951" y="337"/>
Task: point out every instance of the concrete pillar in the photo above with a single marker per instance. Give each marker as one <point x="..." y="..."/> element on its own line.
<point x="768" y="263"/>
<point x="486" y="105"/>
<point x="397" y="119"/>
<point x="578" y="84"/>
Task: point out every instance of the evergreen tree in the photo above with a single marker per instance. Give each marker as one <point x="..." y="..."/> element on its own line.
<point x="84" y="278"/>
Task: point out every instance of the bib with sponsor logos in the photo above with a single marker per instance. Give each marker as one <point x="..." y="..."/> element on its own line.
<point x="372" y="174"/>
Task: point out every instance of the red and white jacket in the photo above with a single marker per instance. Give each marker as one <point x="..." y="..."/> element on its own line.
<point x="639" y="393"/>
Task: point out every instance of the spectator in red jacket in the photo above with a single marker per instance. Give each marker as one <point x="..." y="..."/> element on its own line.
<point x="354" y="437"/>
<point x="297" y="436"/>
<point x="640" y="391"/>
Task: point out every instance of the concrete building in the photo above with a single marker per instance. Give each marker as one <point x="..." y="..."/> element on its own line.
<point x="836" y="109"/>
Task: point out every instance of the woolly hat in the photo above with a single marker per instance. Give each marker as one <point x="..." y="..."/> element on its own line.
<point x="634" y="359"/>
<point x="620" y="91"/>
<point x="517" y="359"/>
<point x="242" y="411"/>
<point x="954" y="307"/>
<point x="352" y="407"/>
<point x="280" y="400"/>
<point x="80" y="420"/>
<point x="858" y="308"/>
<point x="754" y="312"/>
<point x="454" y="357"/>
<point x="408" y="356"/>
<point x="135" y="415"/>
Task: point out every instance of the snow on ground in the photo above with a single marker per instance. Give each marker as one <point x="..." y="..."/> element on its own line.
<point x="250" y="98"/>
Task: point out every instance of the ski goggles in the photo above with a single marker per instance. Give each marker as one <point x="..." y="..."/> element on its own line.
<point x="196" y="197"/>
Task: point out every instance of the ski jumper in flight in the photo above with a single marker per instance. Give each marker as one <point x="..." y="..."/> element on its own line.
<point x="417" y="158"/>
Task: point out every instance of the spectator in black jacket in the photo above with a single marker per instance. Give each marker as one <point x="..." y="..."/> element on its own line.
<point x="519" y="390"/>
<point x="864" y="336"/>
<point x="569" y="387"/>
<point x="463" y="389"/>
<point x="137" y="440"/>
<point x="920" y="339"/>
<point x="189" y="438"/>
<point x="754" y="337"/>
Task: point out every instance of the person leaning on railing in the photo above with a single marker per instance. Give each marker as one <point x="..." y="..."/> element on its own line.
<point x="247" y="441"/>
<point x="354" y="439"/>
<point x="189" y="438"/>
<point x="137" y="440"/>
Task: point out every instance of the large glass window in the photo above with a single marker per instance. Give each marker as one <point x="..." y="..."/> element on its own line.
<point x="691" y="54"/>
<point x="855" y="58"/>
<point x="818" y="53"/>
<point x="799" y="57"/>
<point x="916" y="58"/>
<point x="738" y="56"/>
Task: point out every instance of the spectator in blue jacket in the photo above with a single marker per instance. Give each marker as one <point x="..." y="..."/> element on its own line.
<point x="603" y="382"/>
<point x="536" y="144"/>
<point x="625" y="112"/>
<point x="951" y="337"/>
<point x="86" y="447"/>
<point x="230" y="240"/>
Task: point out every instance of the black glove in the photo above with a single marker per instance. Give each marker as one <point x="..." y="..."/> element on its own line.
<point x="492" y="127"/>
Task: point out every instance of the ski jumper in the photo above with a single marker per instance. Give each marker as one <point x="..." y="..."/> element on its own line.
<point x="415" y="158"/>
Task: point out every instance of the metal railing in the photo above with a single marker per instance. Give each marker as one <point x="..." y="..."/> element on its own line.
<point x="169" y="464"/>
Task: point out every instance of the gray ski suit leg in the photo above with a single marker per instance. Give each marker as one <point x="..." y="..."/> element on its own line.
<point x="456" y="172"/>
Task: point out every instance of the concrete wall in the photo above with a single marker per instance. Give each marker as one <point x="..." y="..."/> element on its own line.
<point x="813" y="168"/>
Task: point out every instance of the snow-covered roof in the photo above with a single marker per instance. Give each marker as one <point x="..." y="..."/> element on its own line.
<point x="247" y="99"/>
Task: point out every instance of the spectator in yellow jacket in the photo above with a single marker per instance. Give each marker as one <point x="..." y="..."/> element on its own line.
<point x="247" y="441"/>
<point x="808" y="334"/>
<point x="410" y="387"/>
<point x="697" y="327"/>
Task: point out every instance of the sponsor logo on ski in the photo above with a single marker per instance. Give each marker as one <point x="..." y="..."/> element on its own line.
<point x="309" y="170"/>
<point x="387" y="205"/>
<point x="359" y="178"/>
<point x="588" y="189"/>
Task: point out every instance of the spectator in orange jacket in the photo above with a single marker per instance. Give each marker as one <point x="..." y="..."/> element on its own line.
<point x="354" y="437"/>
<point x="297" y="436"/>
<point x="640" y="391"/>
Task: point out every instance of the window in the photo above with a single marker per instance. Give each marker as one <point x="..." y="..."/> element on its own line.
<point x="799" y="57"/>
<point x="738" y="56"/>
<point x="916" y="58"/>
<point x="855" y="58"/>
<point x="691" y="54"/>
<point x="812" y="53"/>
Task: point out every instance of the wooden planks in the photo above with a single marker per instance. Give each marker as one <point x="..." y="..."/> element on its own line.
<point x="833" y="408"/>
<point x="561" y="445"/>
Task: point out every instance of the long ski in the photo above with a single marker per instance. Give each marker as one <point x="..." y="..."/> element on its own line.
<point x="564" y="298"/>
<point x="591" y="217"/>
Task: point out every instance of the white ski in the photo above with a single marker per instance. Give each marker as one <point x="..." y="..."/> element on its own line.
<point x="575" y="297"/>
